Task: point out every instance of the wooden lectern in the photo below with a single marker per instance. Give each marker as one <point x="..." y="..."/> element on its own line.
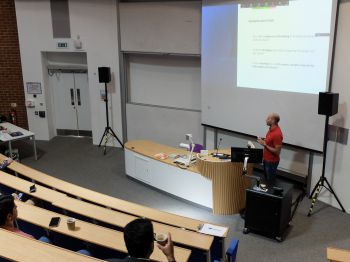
<point x="228" y="183"/>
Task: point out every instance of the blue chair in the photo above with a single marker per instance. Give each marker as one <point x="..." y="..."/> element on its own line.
<point x="231" y="252"/>
<point x="5" y="190"/>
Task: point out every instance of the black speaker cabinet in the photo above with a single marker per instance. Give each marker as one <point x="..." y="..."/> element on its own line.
<point x="328" y="103"/>
<point x="268" y="213"/>
<point x="104" y="74"/>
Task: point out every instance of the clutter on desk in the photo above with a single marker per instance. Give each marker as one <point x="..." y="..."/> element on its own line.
<point x="161" y="156"/>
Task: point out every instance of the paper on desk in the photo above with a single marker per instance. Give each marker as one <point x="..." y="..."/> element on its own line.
<point x="161" y="156"/>
<point x="213" y="230"/>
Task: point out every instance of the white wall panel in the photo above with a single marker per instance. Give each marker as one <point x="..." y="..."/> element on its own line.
<point x="165" y="126"/>
<point x="170" y="81"/>
<point x="168" y="27"/>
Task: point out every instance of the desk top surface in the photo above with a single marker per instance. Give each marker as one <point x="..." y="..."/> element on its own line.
<point x="150" y="149"/>
<point x="212" y="159"/>
<point x="22" y="185"/>
<point x="105" y="200"/>
<point x="88" y="232"/>
<point x="185" y="237"/>
<point x="336" y="254"/>
<point x="19" y="248"/>
<point x="10" y="128"/>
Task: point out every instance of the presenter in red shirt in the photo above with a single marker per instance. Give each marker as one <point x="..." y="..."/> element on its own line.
<point x="272" y="146"/>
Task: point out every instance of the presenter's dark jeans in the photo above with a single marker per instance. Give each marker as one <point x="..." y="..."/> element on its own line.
<point x="270" y="169"/>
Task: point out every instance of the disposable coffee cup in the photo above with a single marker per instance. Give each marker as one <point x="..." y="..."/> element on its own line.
<point x="71" y="223"/>
<point x="162" y="239"/>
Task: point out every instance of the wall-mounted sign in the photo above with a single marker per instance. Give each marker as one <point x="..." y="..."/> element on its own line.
<point x="62" y="45"/>
<point x="34" y="88"/>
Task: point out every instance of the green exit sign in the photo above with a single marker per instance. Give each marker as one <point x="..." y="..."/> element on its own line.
<point x="62" y="45"/>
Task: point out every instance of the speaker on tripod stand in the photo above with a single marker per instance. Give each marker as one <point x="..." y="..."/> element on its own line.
<point x="328" y="106"/>
<point x="104" y="76"/>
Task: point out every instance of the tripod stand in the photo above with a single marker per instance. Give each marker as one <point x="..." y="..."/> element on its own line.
<point x="323" y="180"/>
<point x="108" y="130"/>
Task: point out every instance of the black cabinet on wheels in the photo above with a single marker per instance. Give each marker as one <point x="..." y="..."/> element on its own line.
<point x="268" y="213"/>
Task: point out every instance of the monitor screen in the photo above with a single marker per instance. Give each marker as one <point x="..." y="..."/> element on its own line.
<point x="239" y="153"/>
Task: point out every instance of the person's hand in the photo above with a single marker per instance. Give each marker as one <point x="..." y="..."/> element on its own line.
<point x="9" y="160"/>
<point x="261" y="141"/>
<point x="15" y="196"/>
<point x="168" y="249"/>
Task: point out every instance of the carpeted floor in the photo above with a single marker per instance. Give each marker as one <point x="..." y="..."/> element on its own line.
<point x="76" y="160"/>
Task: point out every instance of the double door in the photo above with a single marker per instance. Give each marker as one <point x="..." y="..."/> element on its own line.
<point x="71" y="103"/>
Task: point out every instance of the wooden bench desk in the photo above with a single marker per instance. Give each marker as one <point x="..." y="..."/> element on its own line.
<point x="22" y="185"/>
<point x="105" y="200"/>
<point x="18" y="248"/>
<point x="184" y="237"/>
<point x="88" y="232"/>
<point x="338" y="255"/>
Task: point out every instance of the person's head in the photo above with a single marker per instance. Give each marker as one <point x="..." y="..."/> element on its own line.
<point x="272" y="119"/>
<point x="139" y="238"/>
<point x="8" y="210"/>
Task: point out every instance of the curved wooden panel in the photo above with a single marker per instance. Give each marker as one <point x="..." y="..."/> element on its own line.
<point x="228" y="184"/>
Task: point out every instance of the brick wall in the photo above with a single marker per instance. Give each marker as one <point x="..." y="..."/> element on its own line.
<point x="11" y="81"/>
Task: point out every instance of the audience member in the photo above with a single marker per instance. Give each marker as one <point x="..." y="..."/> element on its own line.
<point x="5" y="163"/>
<point x="8" y="216"/>
<point x="139" y="241"/>
<point x="22" y="197"/>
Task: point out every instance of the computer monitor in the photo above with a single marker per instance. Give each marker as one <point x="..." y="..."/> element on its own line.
<point x="239" y="153"/>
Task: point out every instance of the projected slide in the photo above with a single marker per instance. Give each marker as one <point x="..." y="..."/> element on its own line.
<point x="284" y="46"/>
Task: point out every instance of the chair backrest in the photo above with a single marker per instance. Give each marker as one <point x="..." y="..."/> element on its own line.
<point x="231" y="252"/>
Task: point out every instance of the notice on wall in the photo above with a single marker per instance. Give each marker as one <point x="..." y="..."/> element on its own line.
<point x="33" y="88"/>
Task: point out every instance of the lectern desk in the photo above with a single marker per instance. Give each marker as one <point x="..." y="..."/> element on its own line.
<point x="227" y="181"/>
<point x="211" y="182"/>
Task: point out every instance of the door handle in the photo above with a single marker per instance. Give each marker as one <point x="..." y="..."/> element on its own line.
<point x="78" y="96"/>
<point x="72" y="96"/>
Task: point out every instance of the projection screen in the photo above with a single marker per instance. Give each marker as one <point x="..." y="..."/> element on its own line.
<point x="267" y="56"/>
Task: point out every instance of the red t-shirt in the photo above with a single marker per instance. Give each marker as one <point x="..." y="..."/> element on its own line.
<point x="274" y="137"/>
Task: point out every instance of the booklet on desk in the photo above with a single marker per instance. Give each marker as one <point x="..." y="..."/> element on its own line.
<point x="213" y="230"/>
<point x="15" y="134"/>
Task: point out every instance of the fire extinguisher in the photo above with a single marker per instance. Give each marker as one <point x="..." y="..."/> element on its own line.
<point x="13" y="116"/>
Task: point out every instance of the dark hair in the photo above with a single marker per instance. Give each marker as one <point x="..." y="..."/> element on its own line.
<point x="139" y="238"/>
<point x="7" y="204"/>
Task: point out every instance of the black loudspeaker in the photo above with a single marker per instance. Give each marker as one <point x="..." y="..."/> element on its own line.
<point x="104" y="74"/>
<point x="269" y="213"/>
<point x="328" y="103"/>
